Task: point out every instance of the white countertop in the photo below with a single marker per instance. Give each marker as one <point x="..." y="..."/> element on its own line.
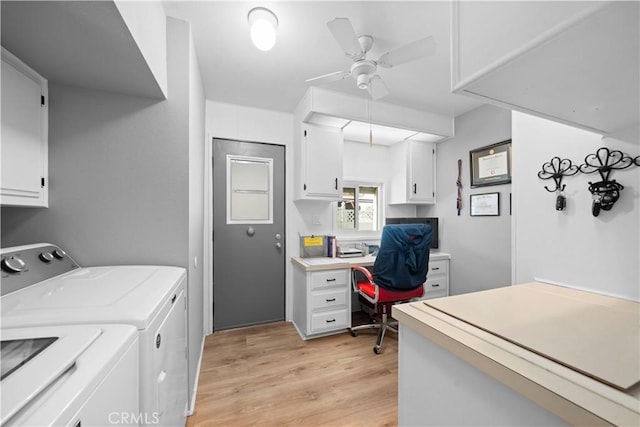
<point x="554" y="385"/>
<point x="325" y="263"/>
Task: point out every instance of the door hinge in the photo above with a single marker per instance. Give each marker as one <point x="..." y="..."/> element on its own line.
<point x="42" y="182"/>
<point x="42" y="100"/>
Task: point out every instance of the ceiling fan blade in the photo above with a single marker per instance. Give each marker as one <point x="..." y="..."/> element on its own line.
<point x="377" y="89"/>
<point x="346" y="37"/>
<point x="328" y="78"/>
<point x="408" y="52"/>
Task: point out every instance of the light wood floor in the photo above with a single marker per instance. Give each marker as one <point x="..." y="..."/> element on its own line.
<point x="267" y="376"/>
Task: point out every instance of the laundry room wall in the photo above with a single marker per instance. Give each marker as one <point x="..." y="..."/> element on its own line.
<point x="126" y="178"/>
<point x="480" y="247"/>
<point x="572" y="247"/>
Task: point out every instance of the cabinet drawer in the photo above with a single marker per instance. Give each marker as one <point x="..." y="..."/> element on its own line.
<point x="437" y="284"/>
<point x="330" y="298"/>
<point x="438" y="268"/>
<point x="329" y="320"/>
<point x="329" y="278"/>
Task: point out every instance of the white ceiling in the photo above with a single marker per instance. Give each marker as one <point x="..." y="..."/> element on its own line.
<point x="234" y="71"/>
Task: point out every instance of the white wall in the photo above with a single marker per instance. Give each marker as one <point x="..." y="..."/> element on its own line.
<point x="196" y="261"/>
<point x="572" y="247"/>
<point x="480" y="247"/>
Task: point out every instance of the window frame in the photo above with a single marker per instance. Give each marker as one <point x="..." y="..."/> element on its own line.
<point x="341" y="232"/>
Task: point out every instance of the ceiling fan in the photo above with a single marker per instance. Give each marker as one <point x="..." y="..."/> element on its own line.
<point x="363" y="69"/>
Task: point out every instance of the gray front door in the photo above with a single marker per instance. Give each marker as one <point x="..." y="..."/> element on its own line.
<point x="248" y="233"/>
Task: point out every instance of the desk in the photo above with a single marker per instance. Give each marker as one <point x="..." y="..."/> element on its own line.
<point x="531" y="383"/>
<point x="322" y="291"/>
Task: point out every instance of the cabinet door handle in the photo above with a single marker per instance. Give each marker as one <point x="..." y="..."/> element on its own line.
<point x="330" y="320"/>
<point x="336" y="183"/>
<point x="435" y="268"/>
<point x="331" y="280"/>
<point x="435" y="285"/>
<point x="415" y="188"/>
<point x="330" y="299"/>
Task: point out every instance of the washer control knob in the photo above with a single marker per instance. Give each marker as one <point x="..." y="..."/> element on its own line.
<point x="13" y="264"/>
<point x="46" y="257"/>
<point x="59" y="253"/>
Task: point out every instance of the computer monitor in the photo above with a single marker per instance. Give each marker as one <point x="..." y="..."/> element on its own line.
<point x="433" y="222"/>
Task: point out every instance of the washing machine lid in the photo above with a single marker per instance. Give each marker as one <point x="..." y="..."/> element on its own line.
<point x="87" y="352"/>
<point x="115" y="294"/>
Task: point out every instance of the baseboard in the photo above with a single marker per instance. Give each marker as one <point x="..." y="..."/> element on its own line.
<point x="194" y="392"/>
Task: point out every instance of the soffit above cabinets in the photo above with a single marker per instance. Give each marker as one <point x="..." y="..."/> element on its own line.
<point x="582" y="71"/>
<point x="357" y="131"/>
<point x="89" y="44"/>
<point x="359" y="118"/>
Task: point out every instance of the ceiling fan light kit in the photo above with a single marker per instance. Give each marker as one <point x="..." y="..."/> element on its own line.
<point x="363" y="69"/>
<point x="263" y="25"/>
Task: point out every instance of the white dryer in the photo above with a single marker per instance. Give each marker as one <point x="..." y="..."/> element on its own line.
<point x="69" y="375"/>
<point x="42" y="285"/>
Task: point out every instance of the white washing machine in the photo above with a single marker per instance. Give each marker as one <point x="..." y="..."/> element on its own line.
<point x="85" y="375"/>
<point x="42" y="285"/>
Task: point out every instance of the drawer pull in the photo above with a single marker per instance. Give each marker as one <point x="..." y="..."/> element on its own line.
<point x="330" y="320"/>
<point x="435" y="268"/>
<point x="331" y="280"/>
<point x="435" y="285"/>
<point x="330" y="299"/>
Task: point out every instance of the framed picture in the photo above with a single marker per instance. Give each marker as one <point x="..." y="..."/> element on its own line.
<point x="487" y="204"/>
<point x="491" y="165"/>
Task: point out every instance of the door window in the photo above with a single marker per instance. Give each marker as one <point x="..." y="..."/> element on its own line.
<point x="249" y="190"/>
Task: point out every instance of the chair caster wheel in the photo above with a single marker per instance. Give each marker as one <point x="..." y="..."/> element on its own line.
<point x="377" y="350"/>
<point x="353" y="333"/>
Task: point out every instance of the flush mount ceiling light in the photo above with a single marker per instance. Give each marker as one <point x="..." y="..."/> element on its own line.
<point x="263" y="24"/>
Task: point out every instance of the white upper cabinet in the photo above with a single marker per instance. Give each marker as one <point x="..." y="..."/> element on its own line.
<point x="413" y="174"/>
<point x="23" y="149"/>
<point x="575" y="62"/>
<point x="319" y="163"/>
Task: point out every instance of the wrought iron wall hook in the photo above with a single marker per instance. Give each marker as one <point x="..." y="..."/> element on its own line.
<point x="606" y="192"/>
<point x="604" y="161"/>
<point x="557" y="168"/>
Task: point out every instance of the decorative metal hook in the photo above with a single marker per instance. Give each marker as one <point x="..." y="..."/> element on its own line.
<point x="604" y="161"/>
<point x="557" y="169"/>
<point x="606" y="192"/>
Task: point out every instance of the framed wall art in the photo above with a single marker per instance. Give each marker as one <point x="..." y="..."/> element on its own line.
<point x="491" y="165"/>
<point x="487" y="204"/>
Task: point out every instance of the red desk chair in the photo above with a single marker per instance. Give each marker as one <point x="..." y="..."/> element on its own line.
<point x="398" y="275"/>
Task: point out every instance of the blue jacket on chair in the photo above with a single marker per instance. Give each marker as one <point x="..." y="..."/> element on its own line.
<point x="403" y="259"/>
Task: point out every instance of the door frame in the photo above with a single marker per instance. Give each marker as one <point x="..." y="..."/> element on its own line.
<point x="207" y="299"/>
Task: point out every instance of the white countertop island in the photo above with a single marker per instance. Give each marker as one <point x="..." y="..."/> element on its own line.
<point x="531" y="354"/>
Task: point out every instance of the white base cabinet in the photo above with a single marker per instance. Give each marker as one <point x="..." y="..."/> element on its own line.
<point x="321" y="303"/>
<point x="437" y="284"/>
<point x="24" y="139"/>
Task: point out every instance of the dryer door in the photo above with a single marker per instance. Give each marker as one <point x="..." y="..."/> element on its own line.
<point x="170" y="364"/>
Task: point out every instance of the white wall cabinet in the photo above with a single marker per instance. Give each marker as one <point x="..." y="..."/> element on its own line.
<point x="413" y="177"/>
<point x="320" y="163"/>
<point x="24" y="150"/>
<point x="321" y="303"/>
